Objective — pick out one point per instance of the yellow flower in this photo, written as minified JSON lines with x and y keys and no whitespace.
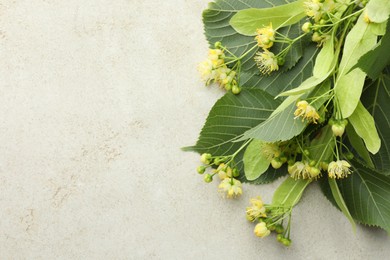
{"x":261,"y":230}
{"x":299,"y":170}
{"x":339,"y":169}
{"x":307,"y":112}
{"x":257,"y":209}
{"x":231,"y":187}
{"x":265,"y":37}
{"x":266,"y":61}
{"x":224,"y":171}
{"x":313,"y":8}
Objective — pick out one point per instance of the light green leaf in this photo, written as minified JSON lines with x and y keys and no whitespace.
{"x":340,"y":201}
{"x":325,"y":63}
{"x":289,"y":192}
{"x":349,"y":84}
{"x":364,"y":125}
{"x":358,"y":144}
{"x":280,"y":127}
{"x":374,"y":61}
{"x":367,"y":195}
{"x":229,"y":118}
{"x":255,"y":163}
{"x":324,"y":60}
{"x":247,"y":21}
{"x":378,"y":10}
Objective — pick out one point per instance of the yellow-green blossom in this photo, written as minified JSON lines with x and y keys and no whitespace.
{"x":230,"y":187}
{"x":307,"y":112}
{"x":339,"y":169}
{"x":257,"y":209}
{"x":224,"y":171}
{"x":265,"y":37}
{"x":266,"y":62}
{"x":261,"y":230}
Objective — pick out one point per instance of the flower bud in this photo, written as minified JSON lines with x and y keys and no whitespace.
{"x":286,"y":241}
{"x":217,"y":45}
{"x":276,"y":163}
{"x":208,"y":178}
{"x":201,"y":169}
{"x":236,"y":89}
{"x":279,"y":229}
{"x":236,"y":173}
{"x":205,"y":158}
{"x":261,"y":230}
{"x":306,"y":27}
{"x":316,"y":37}
{"x":338,"y":129}
{"x":279,"y":237}
{"x":314,"y":172}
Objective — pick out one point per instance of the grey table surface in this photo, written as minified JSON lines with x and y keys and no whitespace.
{"x":96,"y":98}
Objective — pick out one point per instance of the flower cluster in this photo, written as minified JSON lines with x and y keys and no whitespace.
{"x":230,"y":187}
{"x":269,"y":219}
{"x":215,"y":70}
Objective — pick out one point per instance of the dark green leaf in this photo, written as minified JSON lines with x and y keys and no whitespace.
{"x":376,"y":97}
{"x":367,"y":196}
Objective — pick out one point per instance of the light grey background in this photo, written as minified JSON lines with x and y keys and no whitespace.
{"x":96,"y":98}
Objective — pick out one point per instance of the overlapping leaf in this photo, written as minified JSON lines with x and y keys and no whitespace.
{"x":376,"y":97}
{"x":216,"y":20}
{"x":230,"y":117}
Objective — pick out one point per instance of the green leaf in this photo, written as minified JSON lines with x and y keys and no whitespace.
{"x":340,"y":201}
{"x":374,"y":61}
{"x":378,"y":10}
{"x":367,"y":196}
{"x":358,"y":144}
{"x":229,"y":118}
{"x":289,"y":192}
{"x":321,"y":147}
{"x":255,"y":163}
{"x":364,"y":125}
{"x":247,"y":21}
{"x":349,"y":84}
{"x":279,"y":82}
{"x":280,"y":127}
{"x":283,"y":126}
{"x":325,"y":63}
{"x":376,"y":97}
{"x":216,"y":20}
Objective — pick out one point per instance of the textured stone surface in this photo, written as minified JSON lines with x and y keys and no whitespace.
{"x":96,"y":98}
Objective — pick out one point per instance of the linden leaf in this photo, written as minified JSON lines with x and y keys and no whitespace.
{"x":289,"y":192}
{"x":255,"y":163}
{"x":247,"y":21}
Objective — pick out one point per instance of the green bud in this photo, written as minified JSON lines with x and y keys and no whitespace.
{"x":316,"y":37}
{"x":331,"y":121}
{"x":218,"y":45}
{"x":208,"y":178}
{"x":314,"y":172}
{"x":236,"y":89}
{"x":324,"y":166}
{"x":276,"y":163}
{"x":218,"y":161}
{"x":271,"y":227}
{"x":205,"y":158}
{"x":281,"y":61}
{"x":201,"y":169}
{"x":349,"y":156}
{"x":286,"y":241}
{"x":322,"y":21}
{"x":279,"y":237}
{"x":279,"y":229}
{"x":236,"y":173}
{"x":338,"y":129}
{"x":228,"y":87}
{"x":283,"y":159}
{"x":306,"y":27}
{"x":306,"y":152}
{"x":291,"y":162}
{"x":313,"y":163}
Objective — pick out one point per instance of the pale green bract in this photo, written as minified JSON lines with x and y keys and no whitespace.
{"x":247,"y":21}
{"x":255,"y":162}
